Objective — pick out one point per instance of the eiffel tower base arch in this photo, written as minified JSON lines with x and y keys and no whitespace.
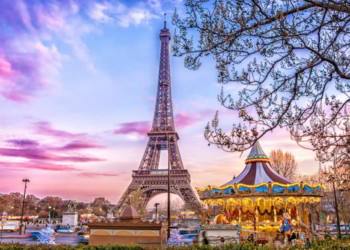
{"x":152,"y":183}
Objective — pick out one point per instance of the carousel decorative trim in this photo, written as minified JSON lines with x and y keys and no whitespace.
{"x":257,"y":160}
{"x":230,"y":187}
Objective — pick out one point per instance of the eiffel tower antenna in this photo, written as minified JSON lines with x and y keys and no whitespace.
{"x":151,"y":178}
{"x":164,"y":20}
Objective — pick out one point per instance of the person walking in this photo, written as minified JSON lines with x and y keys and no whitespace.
{"x":205,"y":239}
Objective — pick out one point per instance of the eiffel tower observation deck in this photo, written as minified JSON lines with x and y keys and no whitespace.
{"x":149,"y":178}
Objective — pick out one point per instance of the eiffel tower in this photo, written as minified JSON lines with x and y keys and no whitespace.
{"x":149,"y":178}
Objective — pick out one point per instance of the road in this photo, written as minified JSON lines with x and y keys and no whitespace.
{"x":69,"y":239}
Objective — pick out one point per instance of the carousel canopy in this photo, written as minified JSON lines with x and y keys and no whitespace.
{"x":258,"y":170}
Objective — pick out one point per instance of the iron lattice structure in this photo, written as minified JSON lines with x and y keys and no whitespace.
{"x":149,"y":178}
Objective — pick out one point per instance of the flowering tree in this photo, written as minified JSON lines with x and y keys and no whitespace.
{"x":289,"y":61}
{"x":330,"y":137}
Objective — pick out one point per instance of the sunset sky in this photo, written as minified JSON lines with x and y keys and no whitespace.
{"x":77,"y":91}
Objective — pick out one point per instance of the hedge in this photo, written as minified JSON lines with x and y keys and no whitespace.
{"x":323,"y":244}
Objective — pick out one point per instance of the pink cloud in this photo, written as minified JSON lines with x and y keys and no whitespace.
{"x":140,"y":128}
{"x":92,"y":174}
{"x":183,"y":120}
{"x":40,"y":154}
{"x":77,"y":145}
{"x":5,"y":68}
{"x":15,"y":97}
{"x":26,"y":66}
{"x":45,"y":128}
{"x":37,"y":165}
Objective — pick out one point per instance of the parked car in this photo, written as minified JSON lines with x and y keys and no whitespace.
{"x":189,"y":239}
{"x":64,"y":229}
{"x":84,"y":239}
{"x":345,"y":227}
{"x":82,"y":232}
{"x":34,"y":235}
{"x":183,"y":231}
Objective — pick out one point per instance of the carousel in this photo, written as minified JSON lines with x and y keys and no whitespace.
{"x":261,"y":201}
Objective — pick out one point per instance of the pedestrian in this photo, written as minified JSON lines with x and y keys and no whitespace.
{"x":289,"y":239}
{"x":205,"y":239}
{"x":293,"y":238}
{"x":222,"y":240}
{"x":307,"y":243}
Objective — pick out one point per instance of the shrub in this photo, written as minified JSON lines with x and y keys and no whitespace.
{"x":321,"y":244}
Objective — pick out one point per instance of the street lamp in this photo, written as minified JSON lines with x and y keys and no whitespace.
{"x":11,"y":211}
{"x":156,"y":206}
{"x":23,"y":204}
{"x":50,"y":209}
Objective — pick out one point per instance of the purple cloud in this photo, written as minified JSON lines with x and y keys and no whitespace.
{"x":29,"y":59}
{"x":25,"y":143}
{"x":40,"y":154}
{"x":45,"y":128}
{"x":32,"y":31}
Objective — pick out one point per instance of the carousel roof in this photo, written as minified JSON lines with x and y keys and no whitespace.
{"x":258,"y":170}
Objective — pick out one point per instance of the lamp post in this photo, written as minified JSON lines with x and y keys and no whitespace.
{"x":23,"y":204}
{"x":156,"y":206}
{"x":50,"y":209}
{"x":11,"y":211}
